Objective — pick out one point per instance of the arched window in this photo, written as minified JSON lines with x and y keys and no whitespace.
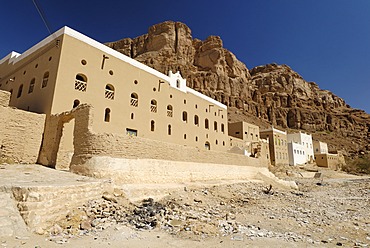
{"x":76,"y":103}
{"x":222,"y":128}
{"x":185,"y":116}
{"x":196,"y":120}
{"x":215,"y":126}
{"x":216,"y":142}
{"x":20,"y":89}
{"x":109,"y":91}
{"x":132,"y":116}
{"x":169,"y":111}
{"x":184,"y":136}
{"x":80,"y":82}
{"x":32,"y":85}
{"x":169,"y":130}
{"x":134,"y":100}
{"x":152,"y":126}
{"x":207,"y":146}
{"x":206,"y":123}
{"x":178,"y":83}
{"x":153,"y":106}
{"x":45,"y":79}
{"x":107,"y":115}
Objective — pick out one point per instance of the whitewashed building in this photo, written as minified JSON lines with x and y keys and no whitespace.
{"x":300,"y":148}
{"x":296,"y":153}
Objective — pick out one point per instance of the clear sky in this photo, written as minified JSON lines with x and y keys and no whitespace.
{"x":325,"y":41}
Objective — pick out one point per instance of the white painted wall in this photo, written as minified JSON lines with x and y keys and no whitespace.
{"x":297,"y":154}
{"x":305,"y":140}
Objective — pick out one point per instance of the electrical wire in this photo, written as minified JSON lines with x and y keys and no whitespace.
{"x":42,"y":15}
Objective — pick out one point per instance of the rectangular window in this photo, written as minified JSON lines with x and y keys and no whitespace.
{"x":131,"y":132}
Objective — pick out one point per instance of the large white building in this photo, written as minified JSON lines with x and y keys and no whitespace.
{"x":296,"y":153}
{"x":300,"y":148}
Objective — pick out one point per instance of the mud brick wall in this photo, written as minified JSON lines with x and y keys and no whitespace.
{"x":88,"y":143}
{"x":20,"y":133}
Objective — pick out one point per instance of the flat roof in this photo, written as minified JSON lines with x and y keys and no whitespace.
{"x":273,"y":130}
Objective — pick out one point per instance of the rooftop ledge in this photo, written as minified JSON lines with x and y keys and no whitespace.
{"x":15,"y":57}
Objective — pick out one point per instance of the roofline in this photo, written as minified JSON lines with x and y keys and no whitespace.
{"x":84,"y":38}
{"x":274,"y":130}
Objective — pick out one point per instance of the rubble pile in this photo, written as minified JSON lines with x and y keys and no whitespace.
{"x":333,"y":212}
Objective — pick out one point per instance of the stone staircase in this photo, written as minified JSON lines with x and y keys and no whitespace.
{"x":33,"y":198}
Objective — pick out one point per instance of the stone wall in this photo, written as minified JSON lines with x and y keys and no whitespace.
{"x":132,"y":159}
{"x":20,"y":133}
{"x":89,"y":143}
{"x":41,"y":206}
{"x":52,"y":150}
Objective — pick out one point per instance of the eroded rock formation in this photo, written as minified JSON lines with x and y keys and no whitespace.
{"x":269,"y":94}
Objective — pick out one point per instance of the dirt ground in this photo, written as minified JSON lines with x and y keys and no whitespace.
{"x":327,"y":211}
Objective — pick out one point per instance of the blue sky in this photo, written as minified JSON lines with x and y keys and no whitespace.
{"x":326,"y":41}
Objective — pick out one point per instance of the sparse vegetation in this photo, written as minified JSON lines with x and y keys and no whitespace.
{"x":6,"y":161}
{"x":359,"y":165}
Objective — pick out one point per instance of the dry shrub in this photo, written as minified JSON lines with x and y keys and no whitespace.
{"x":359,"y":165}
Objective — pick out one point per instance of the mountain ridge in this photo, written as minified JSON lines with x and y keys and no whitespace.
{"x":265,"y":95}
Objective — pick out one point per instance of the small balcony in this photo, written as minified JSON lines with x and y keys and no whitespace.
{"x":153,"y":108}
{"x":109,"y":94}
{"x":134,"y":102}
{"x":80,"y":85}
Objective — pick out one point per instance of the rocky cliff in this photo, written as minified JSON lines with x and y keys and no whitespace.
{"x":269,"y":94}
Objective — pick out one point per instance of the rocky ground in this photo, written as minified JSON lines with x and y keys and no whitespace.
{"x":331,"y":210}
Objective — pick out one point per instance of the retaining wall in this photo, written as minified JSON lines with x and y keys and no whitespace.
{"x":131,"y":159}
{"x":20,"y":133}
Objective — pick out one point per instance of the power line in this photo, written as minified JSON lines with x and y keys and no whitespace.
{"x":42,"y":15}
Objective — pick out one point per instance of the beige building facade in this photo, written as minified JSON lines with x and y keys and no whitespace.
{"x":319,"y":147}
{"x":244,"y":139}
{"x":69,"y":68}
{"x":327,"y":160}
{"x":244,"y":131}
{"x":128,"y":99}
{"x":278,"y":145}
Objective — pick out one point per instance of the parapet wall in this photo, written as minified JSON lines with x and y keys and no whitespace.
{"x":132,"y":159}
{"x":89,"y":143}
{"x":20,"y":133}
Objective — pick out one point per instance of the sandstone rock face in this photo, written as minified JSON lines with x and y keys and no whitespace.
{"x":269,"y":94}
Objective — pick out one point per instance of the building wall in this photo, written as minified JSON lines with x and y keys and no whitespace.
{"x":278,"y":145}
{"x":127,"y":76}
{"x":91,"y":146}
{"x":87,"y":141}
{"x":327,"y":160}
{"x":297,"y":153}
{"x":68,"y":53}
{"x":20,"y":70}
{"x":306,"y":141}
{"x":20,"y":133}
{"x":244,"y":131}
{"x":320,"y":147}
{"x":244,"y":138}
